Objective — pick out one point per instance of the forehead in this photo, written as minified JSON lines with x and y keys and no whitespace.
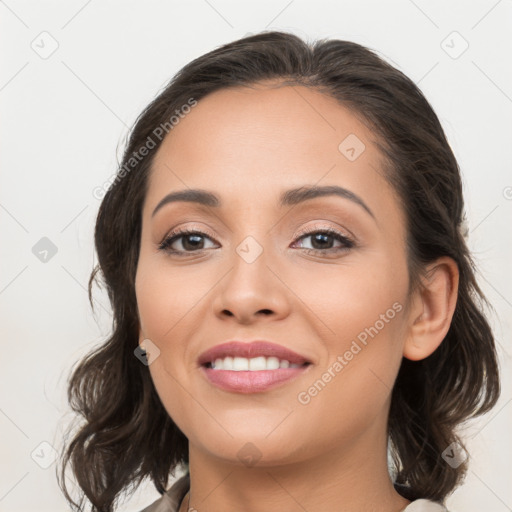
{"x":251,"y":143}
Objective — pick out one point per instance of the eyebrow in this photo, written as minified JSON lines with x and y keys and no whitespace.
{"x":290,"y":197}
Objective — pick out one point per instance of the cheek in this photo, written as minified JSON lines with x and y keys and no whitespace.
{"x":356,"y":301}
{"x":166,"y":296}
{"x":364,"y":310}
{"x":352,"y":390}
{"x":172,"y":301}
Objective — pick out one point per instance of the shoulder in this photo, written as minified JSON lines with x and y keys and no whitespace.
{"x":171,"y":499}
{"x":424,"y":506}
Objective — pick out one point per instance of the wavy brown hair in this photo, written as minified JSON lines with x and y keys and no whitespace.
{"x":126,"y":435}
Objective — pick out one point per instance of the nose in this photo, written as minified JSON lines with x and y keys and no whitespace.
{"x":250,"y":291}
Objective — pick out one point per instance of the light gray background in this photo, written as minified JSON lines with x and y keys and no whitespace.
{"x":63,"y":121}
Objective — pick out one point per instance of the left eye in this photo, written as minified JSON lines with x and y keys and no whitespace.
{"x":321,"y":239}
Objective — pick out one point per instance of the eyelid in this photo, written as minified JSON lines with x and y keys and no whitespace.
{"x":176,"y":232}
{"x":179,"y":230}
{"x":323,"y":227}
{"x":303,"y":231}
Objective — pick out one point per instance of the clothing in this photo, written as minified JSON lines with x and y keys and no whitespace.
{"x":171,"y":500}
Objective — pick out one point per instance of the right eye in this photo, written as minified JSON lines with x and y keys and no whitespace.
{"x":190,"y":241}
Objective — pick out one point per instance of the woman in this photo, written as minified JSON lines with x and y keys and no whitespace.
{"x":284,"y":241}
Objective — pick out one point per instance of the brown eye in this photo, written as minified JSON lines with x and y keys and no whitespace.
{"x":191,"y":241}
{"x":323,"y":240}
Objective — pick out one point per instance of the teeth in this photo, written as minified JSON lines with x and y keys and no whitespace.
{"x":255,"y":364}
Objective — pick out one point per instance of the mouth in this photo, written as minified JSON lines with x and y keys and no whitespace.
{"x":255,"y":381}
{"x":255,"y":364}
{"x":251,"y":367}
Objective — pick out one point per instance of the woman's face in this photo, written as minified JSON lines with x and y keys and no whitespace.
{"x":263,"y":268}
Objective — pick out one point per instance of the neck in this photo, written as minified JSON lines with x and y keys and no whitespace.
{"x":348,"y":479}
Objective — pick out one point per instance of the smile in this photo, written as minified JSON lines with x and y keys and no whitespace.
{"x":241,"y":375}
{"x":260,"y":363}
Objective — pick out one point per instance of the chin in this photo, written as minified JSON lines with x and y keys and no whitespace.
{"x":255,"y":450}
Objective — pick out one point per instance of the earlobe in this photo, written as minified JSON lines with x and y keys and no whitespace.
{"x":435,"y":304}
{"x":142,"y":339}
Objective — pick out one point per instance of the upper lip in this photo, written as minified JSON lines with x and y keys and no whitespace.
{"x":249,"y":350}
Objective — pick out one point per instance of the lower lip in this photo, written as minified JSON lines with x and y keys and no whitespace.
{"x":251,"y":381}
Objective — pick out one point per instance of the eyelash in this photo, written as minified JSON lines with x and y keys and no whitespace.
{"x":347,"y":242}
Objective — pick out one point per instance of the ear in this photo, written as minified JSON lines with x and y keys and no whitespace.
{"x":433,"y":308}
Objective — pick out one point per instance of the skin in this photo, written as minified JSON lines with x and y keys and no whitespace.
{"x":247,"y":145}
